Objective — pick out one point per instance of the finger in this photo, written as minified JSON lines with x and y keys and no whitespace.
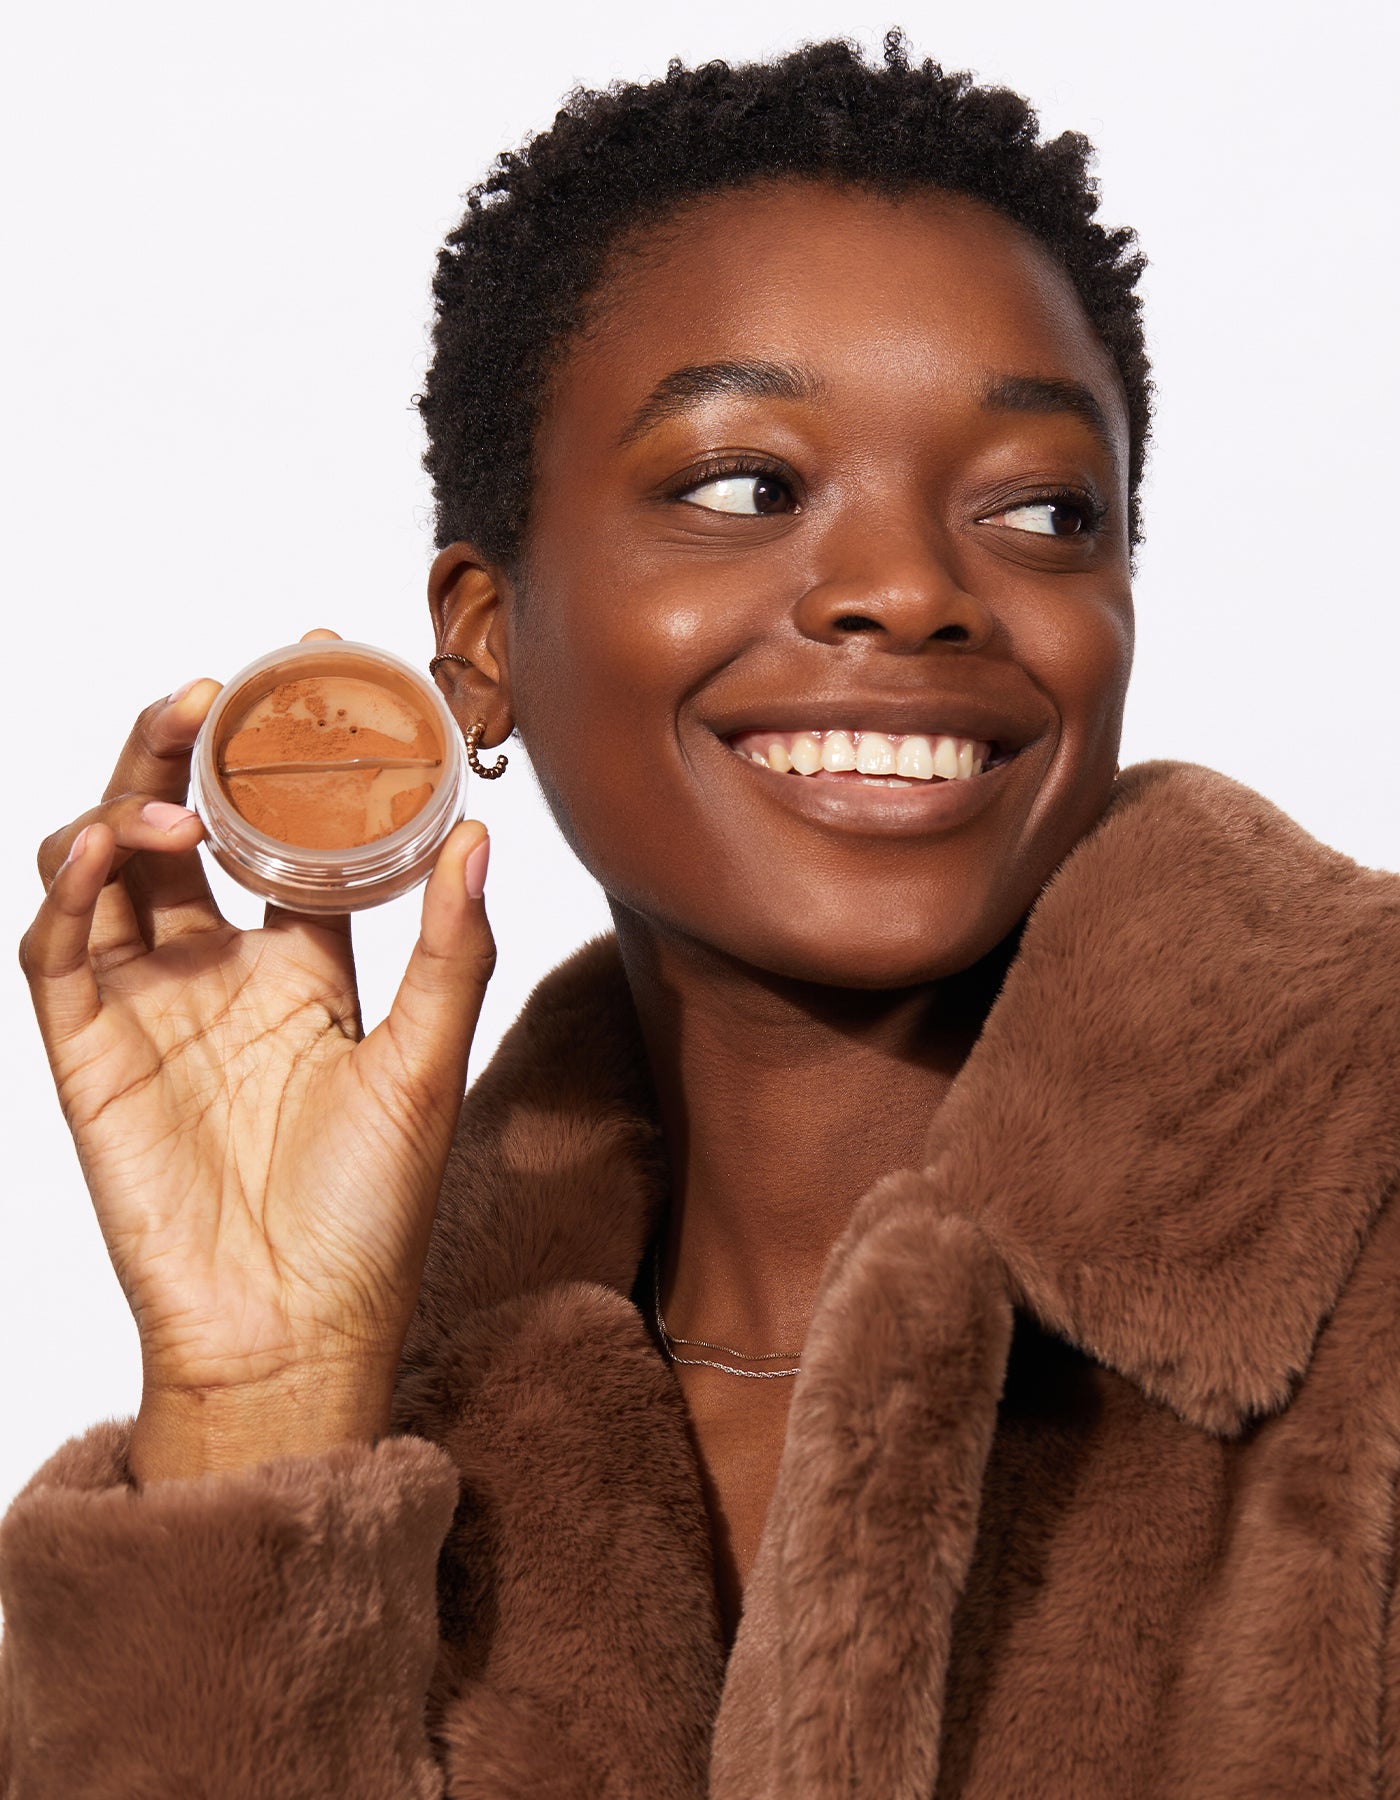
{"x":155,"y":759}
{"x":423,"y":1044}
{"x":286,"y":918}
{"x":138,"y":822}
{"x":165,"y":877}
{"x":320,"y":634}
{"x":54,"y":951}
{"x":158,"y":749}
{"x":162,"y":891}
{"x":116,"y":931}
{"x":323,"y":942}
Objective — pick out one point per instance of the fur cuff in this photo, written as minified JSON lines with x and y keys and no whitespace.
{"x":269,"y":1631}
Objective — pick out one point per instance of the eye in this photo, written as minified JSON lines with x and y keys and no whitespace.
{"x":1061,"y":515}
{"x":738,"y":490}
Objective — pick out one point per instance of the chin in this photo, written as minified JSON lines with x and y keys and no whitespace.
{"x":862,"y":953}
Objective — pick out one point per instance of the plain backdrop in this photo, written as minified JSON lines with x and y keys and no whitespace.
{"x":219,"y":230}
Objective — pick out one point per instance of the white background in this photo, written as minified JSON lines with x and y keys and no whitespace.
{"x":219,"y":230}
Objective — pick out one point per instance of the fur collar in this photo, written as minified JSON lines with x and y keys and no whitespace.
{"x":1176,"y":1128}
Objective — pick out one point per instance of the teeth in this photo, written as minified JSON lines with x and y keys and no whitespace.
{"x":806,"y":754}
{"x":916,"y":759}
{"x":838,"y":752}
{"x":875,"y":755}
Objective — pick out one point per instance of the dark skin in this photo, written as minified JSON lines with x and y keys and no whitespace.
{"x":811,"y":961}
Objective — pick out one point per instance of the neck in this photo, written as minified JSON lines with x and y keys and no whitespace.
{"x":781,"y":1104}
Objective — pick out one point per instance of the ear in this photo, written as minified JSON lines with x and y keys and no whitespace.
{"x":465,"y":595}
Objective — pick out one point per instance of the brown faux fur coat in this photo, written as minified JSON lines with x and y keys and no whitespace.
{"x":1090,"y":1480}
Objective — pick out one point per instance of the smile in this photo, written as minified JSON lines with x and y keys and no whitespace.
{"x":886,"y":759}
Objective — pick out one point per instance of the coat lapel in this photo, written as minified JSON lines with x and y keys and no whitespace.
{"x":835,"y":1683}
{"x":582,"y":1654}
{"x":1168,"y":1146}
{"x":1182,"y":1116}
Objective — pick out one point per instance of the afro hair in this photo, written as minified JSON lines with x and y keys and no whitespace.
{"x":515,"y":279}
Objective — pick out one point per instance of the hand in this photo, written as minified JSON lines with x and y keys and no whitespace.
{"x":264,"y":1175}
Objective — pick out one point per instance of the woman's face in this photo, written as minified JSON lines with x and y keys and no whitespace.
{"x":828,"y":462}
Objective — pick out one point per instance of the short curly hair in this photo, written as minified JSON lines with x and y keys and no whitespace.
{"x":515,"y":279}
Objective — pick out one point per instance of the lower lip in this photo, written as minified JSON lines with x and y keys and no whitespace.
{"x":849,"y":803}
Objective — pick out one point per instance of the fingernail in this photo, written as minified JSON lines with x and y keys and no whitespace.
{"x":75,"y":849}
{"x":180,"y":692}
{"x":476,"y":869}
{"x":164,"y":815}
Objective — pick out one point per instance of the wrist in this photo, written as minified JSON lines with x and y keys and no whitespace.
{"x":183,"y":1432}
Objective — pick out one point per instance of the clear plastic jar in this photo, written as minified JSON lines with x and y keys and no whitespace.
{"x":328,"y":775}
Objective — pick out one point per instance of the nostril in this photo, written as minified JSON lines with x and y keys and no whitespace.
{"x":952,"y":634}
{"x":855,"y":622}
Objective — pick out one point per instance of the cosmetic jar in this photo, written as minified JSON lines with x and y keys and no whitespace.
{"x":327,"y":776}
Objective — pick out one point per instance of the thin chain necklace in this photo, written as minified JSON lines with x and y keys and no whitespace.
{"x":669,"y":1343}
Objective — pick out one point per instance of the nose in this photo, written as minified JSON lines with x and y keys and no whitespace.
{"x":899,"y":585}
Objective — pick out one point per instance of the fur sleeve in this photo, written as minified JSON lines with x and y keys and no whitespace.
{"x":1390,"y":1674}
{"x":270,"y":1631}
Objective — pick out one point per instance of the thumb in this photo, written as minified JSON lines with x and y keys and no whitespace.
{"x":423,"y":1044}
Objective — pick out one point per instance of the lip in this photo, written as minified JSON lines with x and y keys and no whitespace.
{"x":869,"y":809}
{"x":925,"y":714}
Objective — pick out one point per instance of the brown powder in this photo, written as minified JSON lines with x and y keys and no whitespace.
{"x":402,"y":806}
{"x":331,"y":761}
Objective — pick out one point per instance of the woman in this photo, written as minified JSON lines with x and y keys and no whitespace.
{"x":910,"y":1316}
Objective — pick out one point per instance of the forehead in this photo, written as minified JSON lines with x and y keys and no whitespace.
{"x":882,"y":293}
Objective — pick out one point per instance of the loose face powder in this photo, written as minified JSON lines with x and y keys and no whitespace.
{"x":331,"y":761}
{"x":329,"y":772}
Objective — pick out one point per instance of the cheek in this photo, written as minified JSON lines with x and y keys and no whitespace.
{"x":1080,"y":654}
{"x":1106,"y":668}
{"x":602,"y":664}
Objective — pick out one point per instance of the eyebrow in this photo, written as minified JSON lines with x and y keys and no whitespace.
{"x":1050,"y":394}
{"x":687,"y":388}
{"x":684,"y":389}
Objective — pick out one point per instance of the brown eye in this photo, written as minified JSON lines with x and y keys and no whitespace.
{"x":742,"y":494}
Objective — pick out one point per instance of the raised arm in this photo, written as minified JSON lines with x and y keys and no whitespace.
{"x":247,"y":1570}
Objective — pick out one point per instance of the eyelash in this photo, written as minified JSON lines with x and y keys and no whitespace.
{"x":724,"y":468}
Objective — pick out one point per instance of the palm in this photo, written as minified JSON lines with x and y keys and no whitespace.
{"x":260,"y":1177}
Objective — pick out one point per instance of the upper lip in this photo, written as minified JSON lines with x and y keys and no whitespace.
{"x":925,"y":713}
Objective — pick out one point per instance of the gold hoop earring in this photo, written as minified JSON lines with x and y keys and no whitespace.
{"x":474,"y":762}
{"x":473,"y":737}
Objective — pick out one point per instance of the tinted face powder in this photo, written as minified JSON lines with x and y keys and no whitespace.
{"x":330,"y":761}
{"x":327,"y":776}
